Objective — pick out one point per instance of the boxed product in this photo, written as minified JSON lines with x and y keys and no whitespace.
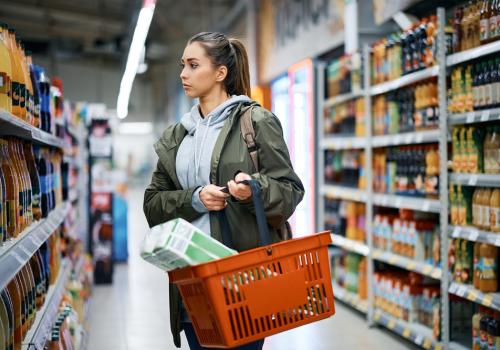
{"x":177,"y":243}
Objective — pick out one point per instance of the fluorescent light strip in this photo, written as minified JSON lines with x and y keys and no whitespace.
{"x":137,"y":128}
{"x":133,"y":60}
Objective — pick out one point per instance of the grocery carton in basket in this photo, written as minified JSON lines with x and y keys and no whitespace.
{"x":177,"y":244}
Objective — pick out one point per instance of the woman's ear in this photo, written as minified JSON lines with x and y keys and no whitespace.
{"x":221,"y":74}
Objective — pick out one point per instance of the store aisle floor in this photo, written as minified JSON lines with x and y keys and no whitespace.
{"x":132,"y":314}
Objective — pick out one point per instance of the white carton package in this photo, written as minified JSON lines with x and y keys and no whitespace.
{"x":177,"y":244}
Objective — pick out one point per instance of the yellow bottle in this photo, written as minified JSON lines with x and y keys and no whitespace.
{"x":17,"y":78}
{"x":486,"y":209}
{"x":5,"y":73}
{"x":495,"y":210}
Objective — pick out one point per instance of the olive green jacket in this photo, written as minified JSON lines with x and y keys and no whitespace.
{"x":282,"y":190}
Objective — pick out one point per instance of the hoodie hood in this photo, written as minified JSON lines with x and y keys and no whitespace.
{"x":192,"y":120}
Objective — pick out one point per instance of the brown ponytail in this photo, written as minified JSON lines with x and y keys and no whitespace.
{"x":230,"y":53}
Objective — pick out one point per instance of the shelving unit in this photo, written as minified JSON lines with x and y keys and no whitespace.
{"x":13,"y":126}
{"x":350,"y":245}
{"x":474,"y":235}
{"x":16,"y":253}
{"x":407,"y":263}
{"x":481,"y":180}
{"x":439,"y":205}
{"x":45,"y":318}
{"x":334,"y":101}
{"x":420,"y":335}
{"x":350,"y":299}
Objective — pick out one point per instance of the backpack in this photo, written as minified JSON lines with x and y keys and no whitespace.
{"x":248,"y":133}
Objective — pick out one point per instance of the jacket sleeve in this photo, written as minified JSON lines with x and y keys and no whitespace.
{"x":282,"y":189}
{"x":162,"y":202}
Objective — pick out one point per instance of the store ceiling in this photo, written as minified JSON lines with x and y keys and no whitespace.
{"x":103,"y":28}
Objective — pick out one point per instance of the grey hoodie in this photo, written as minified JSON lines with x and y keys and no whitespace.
{"x":193,"y":159}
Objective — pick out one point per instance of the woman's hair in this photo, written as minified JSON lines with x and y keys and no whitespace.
{"x":229,"y":52}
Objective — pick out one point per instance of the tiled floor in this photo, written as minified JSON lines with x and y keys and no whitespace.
{"x":132,"y":314}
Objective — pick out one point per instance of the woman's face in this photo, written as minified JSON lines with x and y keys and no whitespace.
{"x":198,"y":75}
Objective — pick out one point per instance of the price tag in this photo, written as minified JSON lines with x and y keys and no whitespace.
{"x":426,"y":206}
{"x":473,"y":180}
{"x":472,"y":295}
{"x":419,"y":339}
{"x":436,"y":273}
{"x":456,"y":232}
{"x":453,"y":288}
{"x":427,"y":269}
{"x":470,"y":117}
{"x":406,"y":333}
{"x":427,"y":344}
{"x":411,"y":266}
{"x":18,"y":258}
{"x":349,"y":144}
{"x":376,"y":317}
{"x":485,"y":115}
{"x":438,"y":347}
{"x":487,"y":300}
{"x":473,"y":235}
{"x":399,"y":201}
{"x":391,"y":324}
{"x":393,"y":260}
{"x":461,"y":291}
{"x":376,"y":254}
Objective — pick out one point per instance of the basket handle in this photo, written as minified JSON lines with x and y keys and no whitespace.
{"x":259,"y":215}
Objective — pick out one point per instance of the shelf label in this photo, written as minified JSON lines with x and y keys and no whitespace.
{"x":419,"y":339}
{"x":485,"y":115}
{"x":376,"y":317}
{"x":427,"y":344}
{"x":406,"y":333}
{"x":462,"y":290}
{"x":487,"y":300}
{"x":473,"y":234}
{"x":18,"y":258}
{"x":426,"y":206}
{"x":411,"y":266}
{"x":456,"y":232}
{"x":470,"y":117}
{"x":427,"y":269}
{"x":25,"y":251}
{"x":376,"y":254}
{"x":391,"y":324}
{"x":393,"y":260}
{"x":453,"y":288}
{"x":399,"y":202}
{"x":472,"y":295}
{"x":436,"y":274}
{"x":473,"y":180}
{"x":438,"y":347}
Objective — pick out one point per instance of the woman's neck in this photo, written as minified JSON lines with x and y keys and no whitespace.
{"x":209,"y":102}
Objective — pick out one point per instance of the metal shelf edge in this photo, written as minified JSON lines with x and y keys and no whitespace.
{"x":410,"y":138}
{"x":350,"y":245}
{"x":487,"y":180}
{"x":413,"y":203}
{"x":483,"y":116}
{"x":408,"y":264}
{"x":349,"y":298}
{"x":339,"y":99}
{"x":344,"y":192}
{"x":472,"y":54}
{"x":404,"y":80}
{"x":473,"y":234}
{"x":491,"y":300}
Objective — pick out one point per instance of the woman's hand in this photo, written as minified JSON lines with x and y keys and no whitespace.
{"x":213,"y":198}
{"x":241,"y":192}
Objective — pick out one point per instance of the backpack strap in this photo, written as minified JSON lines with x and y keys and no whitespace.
{"x":248,"y":133}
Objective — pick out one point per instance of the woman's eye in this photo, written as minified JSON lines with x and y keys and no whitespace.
{"x":182,"y":65}
{"x":194,"y":66}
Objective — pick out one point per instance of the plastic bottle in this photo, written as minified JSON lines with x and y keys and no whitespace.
{"x":475,"y":207}
{"x":12,"y":187}
{"x":488,"y":280}
{"x":5,"y":72}
{"x":485,"y":200}
{"x":477,"y":267}
{"x":495,"y":210}
{"x":495,"y":150}
{"x":494,"y":334}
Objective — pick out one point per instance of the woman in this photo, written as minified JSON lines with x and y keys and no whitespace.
{"x":205,"y":152}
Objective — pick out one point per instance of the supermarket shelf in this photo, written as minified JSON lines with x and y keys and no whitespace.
{"x":13,"y":126}
{"x":491,"y":300}
{"x":343,"y":142}
{"x":407,"y":264}
{"x":418,"y":334}
{"x":409,"y":138}
{"x":46,"y":317}
{"x":404,"y":80}
{"x":472,"y":54}
{"x":473,"y":234}
{"x":344,"y":192}
{"x":350,"y":245}
{"x":487,"y":115}
{"x":16,"y":253}
{"x":405,"y":202}
{"x":457,"y":346}
{"x":336,"y":100}
{"x":350,"y":299}
{"x":487,"y":180}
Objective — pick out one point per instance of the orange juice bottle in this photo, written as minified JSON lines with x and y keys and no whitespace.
{"x":485,"y":200}
{"x":5,"y":72}
{"x":475,"y":207}
{"x":495,"y":210}
{"x":22,"y":161}
{"x":21,"y":185}
{"x":488,"y":280}
{"x":24,"y":99}
{"x":12,"y":200}
{"x":15,"y":294}
{"x":29,"y":87}
{"x":453,"y":206}
{"x":463,"y":150}
{"x":18,"y":86}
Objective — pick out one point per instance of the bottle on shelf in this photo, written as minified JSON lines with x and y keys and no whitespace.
{"x":495,"y":210}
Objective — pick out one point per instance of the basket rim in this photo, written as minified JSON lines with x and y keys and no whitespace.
{"x":220,"y":266}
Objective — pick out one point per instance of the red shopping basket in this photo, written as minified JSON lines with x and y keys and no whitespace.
{"x":260,"y":292}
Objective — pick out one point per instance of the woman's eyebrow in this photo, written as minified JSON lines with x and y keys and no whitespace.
{"x":189,"y":59}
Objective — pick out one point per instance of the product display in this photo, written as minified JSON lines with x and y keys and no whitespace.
{"x":346,"y":118}
{"x":345,"y":168}
{"x":344,"y":75}
{"x":409,"y":170}
{"x":349,"y":272}
{"x":346,"y":219}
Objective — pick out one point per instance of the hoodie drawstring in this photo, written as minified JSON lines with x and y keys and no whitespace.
{"x":197,"y":158}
